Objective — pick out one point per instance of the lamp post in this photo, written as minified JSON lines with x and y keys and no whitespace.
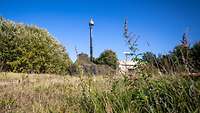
{"x":91,"y":25}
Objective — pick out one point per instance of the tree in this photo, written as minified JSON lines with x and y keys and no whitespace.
{"x":30,"y":49}
{"x":108,"y":57}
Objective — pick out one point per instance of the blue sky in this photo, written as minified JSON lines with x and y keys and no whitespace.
{"x":161,"y":23}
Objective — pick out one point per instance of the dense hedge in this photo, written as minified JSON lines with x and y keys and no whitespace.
{"x":30,"y":49}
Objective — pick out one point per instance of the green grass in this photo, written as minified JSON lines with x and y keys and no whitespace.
{"x":65,"y":94}
{"x":164,"y":95}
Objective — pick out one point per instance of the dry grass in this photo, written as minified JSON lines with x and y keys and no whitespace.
{"x":43,"y":92}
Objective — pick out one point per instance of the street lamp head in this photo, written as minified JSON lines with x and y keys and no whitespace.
{"x":91,"y":23}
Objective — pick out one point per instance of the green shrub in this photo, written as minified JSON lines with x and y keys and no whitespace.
{"x":108,"y":57}
{"x":30,"y":49}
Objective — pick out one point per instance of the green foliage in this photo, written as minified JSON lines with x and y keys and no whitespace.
{"x":30,"y":49}
{"x":167,"y":64}
{"x":181,"y":59}
{"x":195,"y":53}
{"x":182,"y":53}
{"x":149,"y":57}
{"x":163,"y":95}
{"x":60,"y":94}
{"x":108,"y":57}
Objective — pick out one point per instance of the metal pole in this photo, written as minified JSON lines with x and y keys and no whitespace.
{"x":91,"y":48}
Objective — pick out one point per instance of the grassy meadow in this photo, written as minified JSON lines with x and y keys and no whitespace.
{"x":44,"y":93}
{"x":154,"y":84}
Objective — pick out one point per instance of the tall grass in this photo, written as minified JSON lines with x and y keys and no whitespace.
{"x":169,"y":94}
{"x":101,"y":94}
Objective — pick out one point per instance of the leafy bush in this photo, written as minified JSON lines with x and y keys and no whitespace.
{"x":30,"y":49}
{"x":108,"y":57}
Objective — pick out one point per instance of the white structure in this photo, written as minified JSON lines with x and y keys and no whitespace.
{"x":125,"y":66}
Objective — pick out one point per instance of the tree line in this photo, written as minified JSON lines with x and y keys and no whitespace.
{"x":183,"y":58}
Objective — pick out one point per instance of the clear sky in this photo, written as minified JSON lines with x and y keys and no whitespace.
{"x":160,"y":23}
